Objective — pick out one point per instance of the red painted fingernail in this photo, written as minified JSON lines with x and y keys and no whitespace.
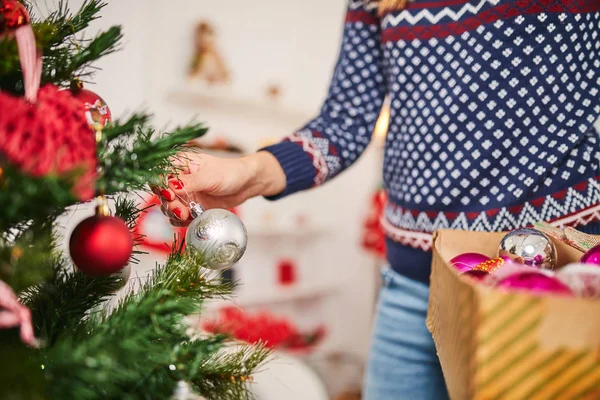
{"x":177,"y":184}
{"x":177,"y":212}
{"x":166,"y":195}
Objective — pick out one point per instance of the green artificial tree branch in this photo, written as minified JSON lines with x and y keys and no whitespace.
{"x":141,"y":348}
{"x":227,"y":374}
{"x":127,"y":209}
{"x":102,"y":45}
{"x":70,"y":24}
{"x":65,"y":57}
{"x":25,"y":198}
{"x":27,"y":256}
{"x":61,"y":305}
{"x":133,"y":164}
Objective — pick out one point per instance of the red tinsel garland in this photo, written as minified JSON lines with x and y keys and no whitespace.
{"x":264,"y":327}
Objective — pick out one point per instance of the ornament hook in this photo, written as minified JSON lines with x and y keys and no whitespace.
{"x":196,"y":208}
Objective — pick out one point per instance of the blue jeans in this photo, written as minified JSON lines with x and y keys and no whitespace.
{"x":403,"y":363}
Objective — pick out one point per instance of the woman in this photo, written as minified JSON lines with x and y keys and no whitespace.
{"x":492,"y":110}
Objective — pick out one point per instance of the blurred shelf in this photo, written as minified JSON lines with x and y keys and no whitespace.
{"x":278,"y":295}
{"x":274,"y":232}
{"x":237,"y":107}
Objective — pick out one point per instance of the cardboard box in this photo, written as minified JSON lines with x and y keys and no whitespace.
{"x":495,"y":344}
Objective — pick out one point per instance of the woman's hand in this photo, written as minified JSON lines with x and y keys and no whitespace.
{"x":219,"y":183}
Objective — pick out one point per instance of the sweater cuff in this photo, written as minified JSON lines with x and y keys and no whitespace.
{"x":297,"y":166}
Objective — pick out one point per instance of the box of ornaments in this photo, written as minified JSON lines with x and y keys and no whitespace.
{"x":516,"y":315}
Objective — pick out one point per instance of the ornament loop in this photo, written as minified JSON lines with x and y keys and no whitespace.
{"x":102,"y":207}
{"x":196,"y":208}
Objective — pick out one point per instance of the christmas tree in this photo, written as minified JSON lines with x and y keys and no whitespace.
{"x":60,"y":146}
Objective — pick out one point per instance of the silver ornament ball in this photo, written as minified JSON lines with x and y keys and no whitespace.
{"x":219,"y":235}
{"x":530,"y":247}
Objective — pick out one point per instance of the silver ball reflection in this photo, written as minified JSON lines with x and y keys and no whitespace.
{"x":529,"y":247}
{"x":219,"y":235}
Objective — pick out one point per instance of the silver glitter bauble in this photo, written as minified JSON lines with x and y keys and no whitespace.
{"x":219,"y":235}
{"x":529,"y":246}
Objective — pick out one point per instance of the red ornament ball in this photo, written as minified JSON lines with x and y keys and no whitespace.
{"x":101,"y":245}
{"x":13,"y":15}
{"x":95,"y":109}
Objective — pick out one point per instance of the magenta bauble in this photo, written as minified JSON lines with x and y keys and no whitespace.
{"x":101,"y":245}
{"x":476,"y":274}
{"x":592,"y":256}
{"x":467,"y":261}
{"x":535,"y":282}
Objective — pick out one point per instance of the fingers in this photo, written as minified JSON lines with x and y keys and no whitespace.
{"x":175,"y":210}
{"x":186,"y":185}
{"x":179,"y":224}
{"x":167,"y":194}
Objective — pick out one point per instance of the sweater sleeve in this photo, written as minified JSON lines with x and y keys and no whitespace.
{"x":333,"y":140}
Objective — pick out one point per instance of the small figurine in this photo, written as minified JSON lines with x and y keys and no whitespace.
{"x":207,"y":63}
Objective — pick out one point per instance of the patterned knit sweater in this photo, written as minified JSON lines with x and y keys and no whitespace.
{"x":493,"y":104}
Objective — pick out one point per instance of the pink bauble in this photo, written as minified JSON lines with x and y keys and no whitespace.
{"x":510,"y":268}
{"x":534,"y":281}
{"x":583,"y":279}
{"x":466,"y":262}
{"x":592,"y":256}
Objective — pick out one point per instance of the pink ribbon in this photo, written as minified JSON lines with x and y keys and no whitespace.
{"x":31,"y":61}
{"x":14,"y":314}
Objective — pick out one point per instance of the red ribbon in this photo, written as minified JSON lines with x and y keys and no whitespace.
{"x":31,"y":61}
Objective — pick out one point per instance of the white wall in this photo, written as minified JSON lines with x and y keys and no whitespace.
{"x":264,"y":41}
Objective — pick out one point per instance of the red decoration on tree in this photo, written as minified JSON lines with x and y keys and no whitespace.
{"x":96,"y":110}
{"x":373,"y":235}
{"x":101,"y":245}
{"x":49,"y":137}
{"x":13,"y":15}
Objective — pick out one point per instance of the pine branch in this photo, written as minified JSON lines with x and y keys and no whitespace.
{"x":61,"y":305}
{"x":102,"y":45}
{"x":128,"y":211}
{"x":226,"y":375}
{"x":27,"y":257}
{"x":131,"y":165}
{"x":71,"y":24}
{"x":65,"y":57}
{"x":141,"y":348}
{"x":24,"y":197}
{"x":125,"y":129}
